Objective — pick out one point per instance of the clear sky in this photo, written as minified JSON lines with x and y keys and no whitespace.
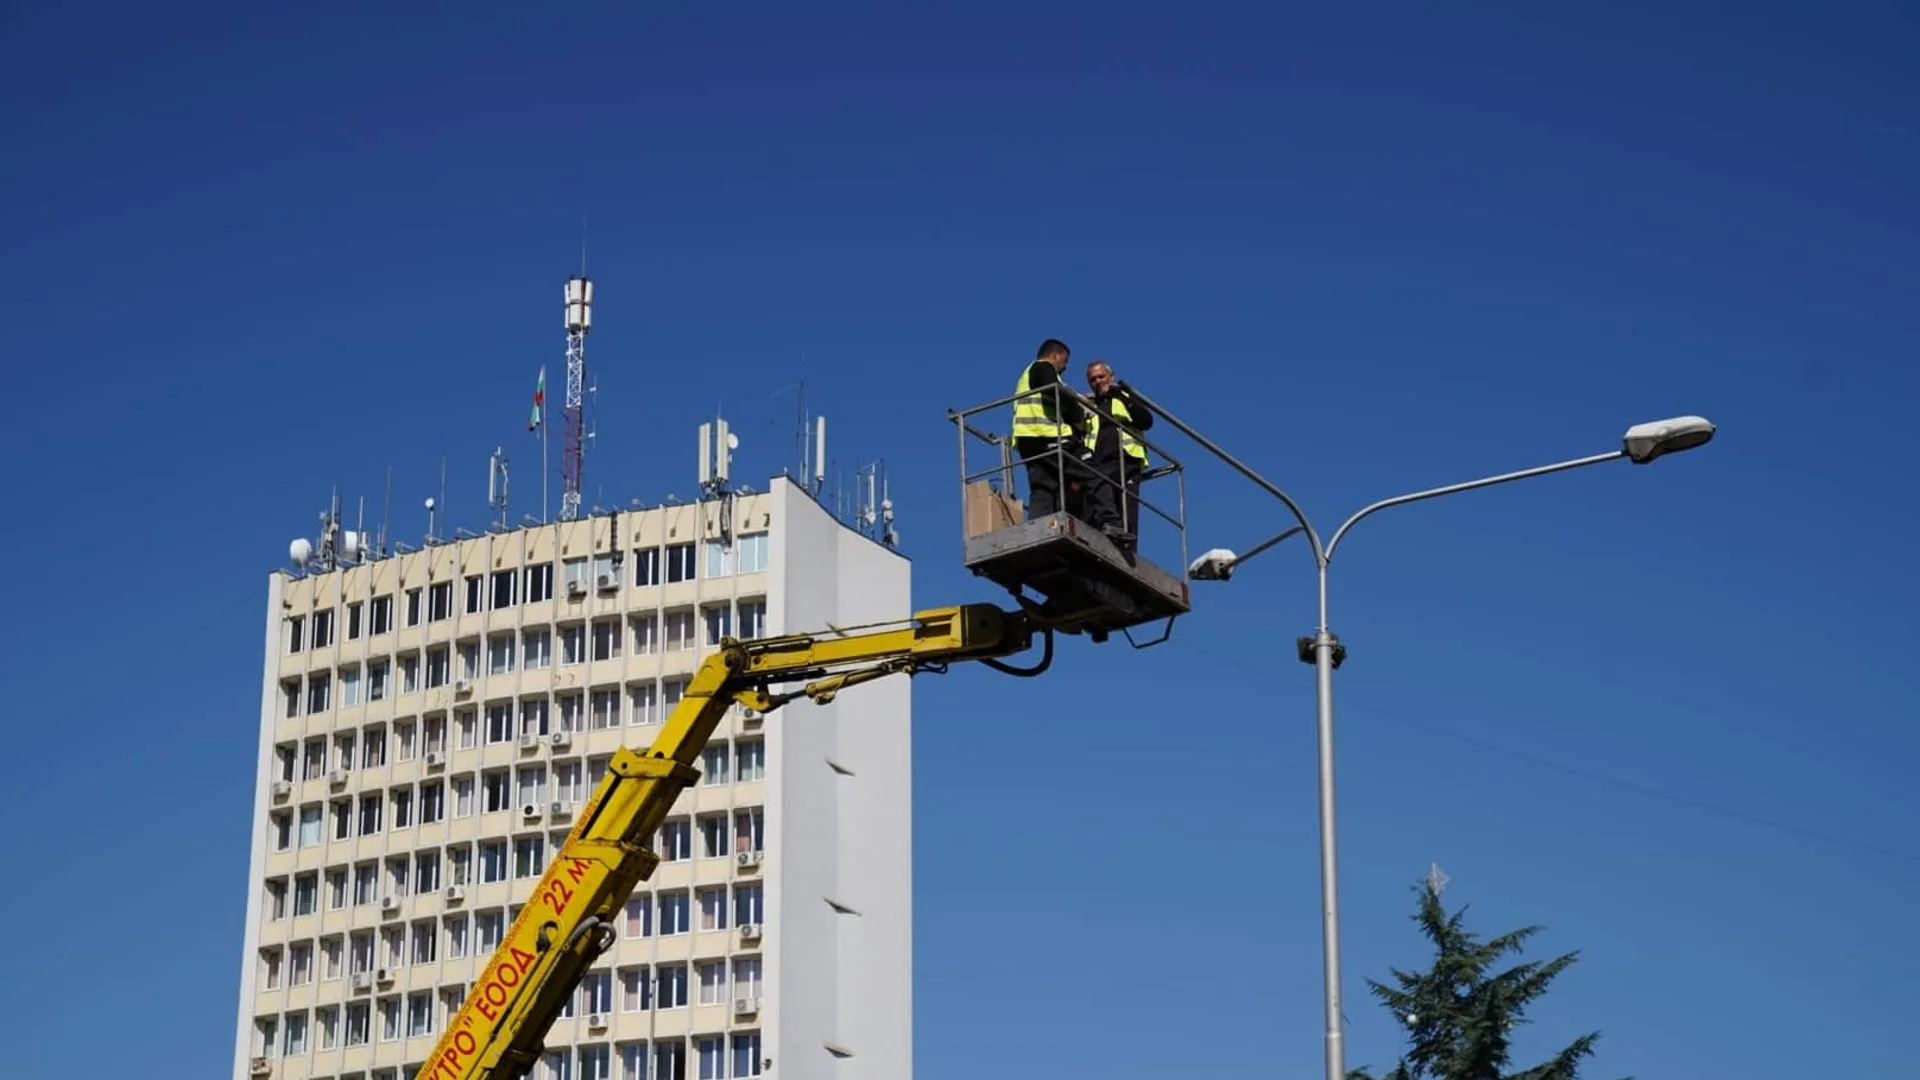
{"x":1666,"y":711}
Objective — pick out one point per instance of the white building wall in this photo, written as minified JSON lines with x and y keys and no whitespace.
{"x":842,"y":819}
{"x":834,"y":986}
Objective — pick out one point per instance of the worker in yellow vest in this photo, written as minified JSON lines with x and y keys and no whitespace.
{"x":1046,"y":429}
{"x":1115,"y":452}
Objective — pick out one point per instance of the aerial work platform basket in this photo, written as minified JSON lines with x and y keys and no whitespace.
{"x":1076,"y":577}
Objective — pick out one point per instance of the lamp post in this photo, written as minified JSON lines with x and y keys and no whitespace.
{"x":1641,"y":444}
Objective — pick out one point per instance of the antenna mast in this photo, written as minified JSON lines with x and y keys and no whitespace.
{"x":579,"y":321}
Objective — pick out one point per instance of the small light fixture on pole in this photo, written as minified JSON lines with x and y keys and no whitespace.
{"x":1641,"y":444}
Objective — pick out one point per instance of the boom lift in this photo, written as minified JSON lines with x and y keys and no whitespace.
{"x":498,"y":1031}
{"x":1084,"y":585}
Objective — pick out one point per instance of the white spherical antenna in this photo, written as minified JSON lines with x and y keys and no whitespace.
{"x":429,"y":502}
{"x":300,"y":551}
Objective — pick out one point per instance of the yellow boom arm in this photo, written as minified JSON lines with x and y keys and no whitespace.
{"x":569,"y":920}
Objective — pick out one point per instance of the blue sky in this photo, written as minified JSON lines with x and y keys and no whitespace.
{"x":1665,"y":711}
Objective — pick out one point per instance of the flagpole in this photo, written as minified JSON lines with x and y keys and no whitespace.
{"x":544,"y":518}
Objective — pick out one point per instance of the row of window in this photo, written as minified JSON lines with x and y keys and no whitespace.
{"x":720,"y":834}
{"x":650,"y":633}
{"x":530,"y":584}
{"x":715,"y":1056}
{"x":524,"y":788}
{"x":457,"y":936}
{"x":721,"y":762}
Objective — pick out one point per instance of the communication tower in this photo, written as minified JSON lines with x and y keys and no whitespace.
{"x":579,"y":321}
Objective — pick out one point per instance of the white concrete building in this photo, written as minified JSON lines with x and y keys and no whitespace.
{"x":428,"y":719}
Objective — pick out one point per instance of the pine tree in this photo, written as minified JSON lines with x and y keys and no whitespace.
{"x":1459,"y":1014}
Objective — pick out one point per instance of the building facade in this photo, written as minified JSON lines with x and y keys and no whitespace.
{"x":430,"y":720}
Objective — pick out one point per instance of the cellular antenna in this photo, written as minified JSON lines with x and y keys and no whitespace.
{"x":579,"y":321}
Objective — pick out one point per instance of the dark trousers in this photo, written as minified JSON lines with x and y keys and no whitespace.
{"x":1086,"y":496}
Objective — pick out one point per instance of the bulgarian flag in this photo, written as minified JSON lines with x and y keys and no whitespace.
{"x":539,"y":399}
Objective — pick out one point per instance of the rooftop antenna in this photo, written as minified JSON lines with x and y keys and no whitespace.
{"x":430,"y":514}
{"x":443,"y":480}
{"x":497,"y":483}
{"x":888,"y":536}
{"x":819,"y":454}
{"x":386,"y":515}
{"x":579,"y":320}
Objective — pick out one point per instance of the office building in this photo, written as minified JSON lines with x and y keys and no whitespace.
{"x":430,"y":719}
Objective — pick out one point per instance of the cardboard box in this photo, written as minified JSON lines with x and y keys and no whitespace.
{"x":988,"y":510}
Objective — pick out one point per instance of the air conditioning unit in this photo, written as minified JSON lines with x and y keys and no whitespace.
{"x":455,"y":894}
{"x":748,"y":860}
{"x":749,"y":931}
{"x":282,"y":788}
{"x":596,"y":1020}
{"x":435,"y":759}
{"x":607,"y":582}
{"x":560,"y":808}
{"x":576,"y":587}
{"x":362,"y":981}
{"x":561,"y":739}
{"x":746,"y":1006}
{"x":259,"y":1067}
{"x":531,"y":811}
{"x":389,"y":903}
{"x":383,"y":975}
{"x":337,"y":778}
{"x":463,"y":686}
{"x":529,"y":741}
{"x":750,"y":716}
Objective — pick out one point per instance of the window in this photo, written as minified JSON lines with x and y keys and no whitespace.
{"x":319,"y":686}
{"x":719,"y":559}
{"x":539,"y":582}
{"x":349,"y":686}
{"x":501,"y":586}
{"x":746,"y":1054}
{"x":270,"y":969}
{"x":413,"y":607}
{"x":713,"y":982}
{"x":381,"y":610}
{"x":680,"y":564}
{"x":456,"y":937}
{"x":670,"y":990}
{"x":534,"y":716}
{"x":282,"y":828}
{"x":277,"y":898}
{"x":568,"y":787}
{"x":463,"y":796}
{"x":673,"y":912}
{"x":749,"y":904}
{"x":573,"y":644}
{"x":374,"y":747}
{"x":676,"y":840}
{"x":500,"y":654}
{"x":713,"y":765}
{"x":435,"y":737}
{"x":353,"y":620}
{"x":469,"y":660}
{"x":366,"y":883}
{"x":332,"y":955}
{"x":750,"y":759}
{"x":753,"y":619}
{"x":283,"y":760}
{"x":713,"y":836}
{"x":748,"y":829}
{"x":537,"y":649}
{"x":426,"y":941}
{"x":370,"y":806}
{"x":487,"y":929}
{"x":746,"y":976}
{"x":467,"y":722}
{"x":529,"y":856}
{"x":377,"y":672}
{"x":498,"y":790}
{"x":311,"y":819}
{"x":574,"y":571}
{"x":493,"y":863}
{"x":679,"y":626}
{"x":459,"y":866}
{"x":306,"y":893}
{"x":606,"y":639}
{"x":409,"y":673}
{"x":719,"y":622}
{"x":533,"y":784}
{"x":433,"y":802}
{"x":713,"y":909}
{"x":322,"y":629}
{"x":336,"y":888}
{"x":296,"y":1043}
{"x":646,"y":566}
{"x":293,"y":632}
{"x":327,"y":1019}
{"x":439,"y":666}
{"x":750,"y":553}
{"x":342,"y":819}
{"x":476,"y":592}
{"x":290,"y":697}
{"x":643,"y":701}
{"x":605,"y":712}
{"x":404,"y":747}
{"x":645,"y":633}
{"x":359,"y":1026}
{"x":639,"y":921}
{"x":439,"y":601}
{"x":499,"y":721}
{"x":596,"y":992}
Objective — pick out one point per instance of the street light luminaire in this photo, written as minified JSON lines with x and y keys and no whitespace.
{"x":1644,"y":442}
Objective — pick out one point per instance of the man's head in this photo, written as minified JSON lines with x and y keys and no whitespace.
{"x":1099,"y":377}
{"x":1053,"y":351}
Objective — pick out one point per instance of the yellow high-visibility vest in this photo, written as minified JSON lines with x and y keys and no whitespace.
{"x":1129,"y":445}
{"x":1036,"y":416}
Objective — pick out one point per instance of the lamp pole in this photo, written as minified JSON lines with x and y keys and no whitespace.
{"x":1641,"y":444}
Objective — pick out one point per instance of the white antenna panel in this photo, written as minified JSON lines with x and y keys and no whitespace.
{"x":300,"y":551}
{"x":820,"y":449}
{"x":723,"y":453}
{"x":353,"y":545}
{"x":579,"y":305}
{"x":706,"y":453}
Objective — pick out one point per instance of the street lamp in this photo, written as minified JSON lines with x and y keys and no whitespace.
{"x":1641,"y":444}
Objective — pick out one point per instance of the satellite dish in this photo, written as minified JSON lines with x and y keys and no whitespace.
{"x":429,"y":502}
{"x":733,"y":441}
{"x":300,"y":551}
